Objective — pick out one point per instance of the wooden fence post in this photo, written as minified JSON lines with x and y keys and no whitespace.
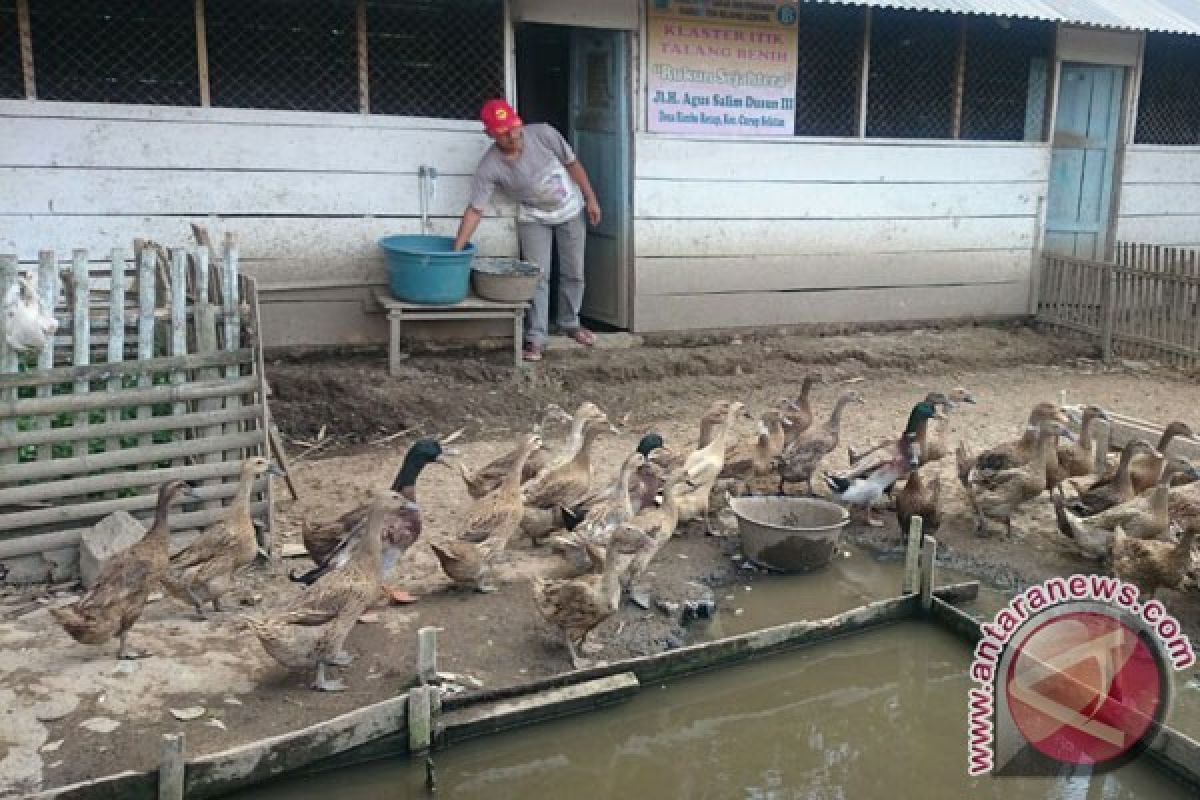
{"x":116,"y":335}
{"x":48,"y":296}
{"x":912,"y":555}
{"x":178,"y":325}
{"x":81,"y":337}
{"x":1110,"y":315}
{"x":8,"y":357}
{"x":146,"y":277}
{"x":427,"y":654}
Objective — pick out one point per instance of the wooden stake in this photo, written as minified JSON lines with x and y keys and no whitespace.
{"x":928,"y":551}
{"x":420,"y":718}
{"x":912,"y":556}
{"x":171,"y":768}
{"x":48,"y":295}
{"x":427,"y":654}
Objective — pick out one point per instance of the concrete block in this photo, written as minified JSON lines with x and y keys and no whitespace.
{"x":103,"y":540}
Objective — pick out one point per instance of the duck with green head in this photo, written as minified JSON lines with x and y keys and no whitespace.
{"x":400,"y":529}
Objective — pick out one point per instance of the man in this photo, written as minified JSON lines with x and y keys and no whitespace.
{"x":536,"y":167}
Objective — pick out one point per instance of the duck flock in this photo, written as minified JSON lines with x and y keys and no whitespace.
{"x":1138,"y":516}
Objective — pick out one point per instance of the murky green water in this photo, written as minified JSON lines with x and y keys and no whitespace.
{"x":878,"y":715}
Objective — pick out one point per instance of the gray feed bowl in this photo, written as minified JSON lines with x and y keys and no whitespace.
{"x":789,"y":534}
{"x":504,"y":280}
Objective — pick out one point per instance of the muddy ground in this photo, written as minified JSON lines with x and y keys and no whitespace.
{"x":59,"y":699}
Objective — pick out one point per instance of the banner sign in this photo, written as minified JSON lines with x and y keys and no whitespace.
{"x":721,"y":67}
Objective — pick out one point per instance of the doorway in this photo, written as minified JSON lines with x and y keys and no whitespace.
{"x":577,"y":79}
{"x":1083,"y":160}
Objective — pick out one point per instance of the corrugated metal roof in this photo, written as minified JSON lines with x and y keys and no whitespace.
{"x":1168,"y":16}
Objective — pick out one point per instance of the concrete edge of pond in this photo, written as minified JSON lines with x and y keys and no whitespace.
{"x":381,"y":730}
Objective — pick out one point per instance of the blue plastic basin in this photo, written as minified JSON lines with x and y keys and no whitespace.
{"x":425,"y":269}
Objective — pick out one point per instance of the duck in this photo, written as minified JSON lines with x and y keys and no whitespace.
{"x":399,"y":533}
{"x":798,"y":412}
{"x":489,"y":477}
{"x":1010,"y":455}
{"x":577,"y":605}
{"x":1091,"y":542}
{"x":648,"y":480}
{"x":1145,"y":517}
{"x":901,"y":447}
{"x":612,"y":506}
{"x":1079,"y":458}
{"x":204,"y":571}
{"x":710,"y":423}
{"x":920,"y":498}
{"x":659,"y":524}
{"x":702,"y":468}
{"x":934,"y":447}
{"x":996,"y":495}
{"x":1147,"y":468}
{"x":312,"y":630}
{"x":758,"y":458}
{"x":28,"y":326}
{"x":1153,"y":565}
{"x":866,"y":491}
{"x":800,"y":457}
{"x":566,"y":485}
{"x":490,"y":523}
{"x":117,"y":599}
{"x":1108,"y":492}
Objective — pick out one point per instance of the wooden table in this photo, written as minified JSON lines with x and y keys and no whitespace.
{"x":471,"y":307}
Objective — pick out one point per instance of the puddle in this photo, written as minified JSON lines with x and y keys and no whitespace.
{"x":877,"y":715}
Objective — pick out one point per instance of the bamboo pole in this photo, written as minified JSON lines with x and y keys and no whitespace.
{"x":102,"y":372}
{"x":81,"y":338}
{"x":264,"y":421}
{"x":364,"y":73}
{"x":25,"y":33}
{"x":155,"y":394}
{"x":8,"y":357}
{"x":178,"y":327}
{"x":113,"y":481}
{"x":130,"y":427}
{"x":232,"y":319}
{"x":206,"y":331}
{"x":147,"y":263}
{"x":47,"y":296}
{"x":202,"y":54}
{"x":116,"y":336}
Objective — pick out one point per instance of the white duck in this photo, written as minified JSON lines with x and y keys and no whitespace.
{"x":27,"y":325}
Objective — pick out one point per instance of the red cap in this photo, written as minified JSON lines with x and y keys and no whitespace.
{"x":499,"y":117}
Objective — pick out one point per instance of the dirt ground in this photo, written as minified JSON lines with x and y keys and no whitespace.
{"x":60,"y":700}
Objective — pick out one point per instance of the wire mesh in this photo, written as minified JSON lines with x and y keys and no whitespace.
{"x":115,"y":51}
{"x":911,"y":90}
{"x":12,"y":81}
{"x":829,"y":70}
{"x":435,"y":58}
{"x":1168,"y":112}
{"x":298,"y":55}
{"x":1004,"y":91}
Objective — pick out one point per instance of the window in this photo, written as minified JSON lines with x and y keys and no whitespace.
{"x":829,"y":71}
{"x":285,"y":54}
{"x":1168,"y":111}
{"x":1004,"y":92}
{"x":913,"y":62}
{"x":12,"y":82}
{"x":435,"y":58}
{"x":115,"y":51}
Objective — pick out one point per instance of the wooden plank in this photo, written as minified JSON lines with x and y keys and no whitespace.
{"x":798,"y":159}
{"x":60,"y":490}
{"x":779,"y":200}
{"x":683,"y":274}
{"x":201,"y":24}
{"x":44,"y":470}
{"x":334,"y":241}
{"x":116,"y":336}
{"x":132,"y":427}
{"x":179,"y":320}
{"x":1179,"y":231}
{"x":753,"y":309}
{"x":157,"y":394}
{"x":80,"y":337}
{"x":662,"y":237}
{"x":343,"y":143}
{"x":25,"y":34}
{"x":102,"y":372}
{"x":98,"y":190}
{"x":48,"y":295}
{"x":8,"y":357}
{"x":1156,"y":166}
{"x":147,"y":263}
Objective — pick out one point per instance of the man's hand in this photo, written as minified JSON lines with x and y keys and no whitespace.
{"x":593,"y":212}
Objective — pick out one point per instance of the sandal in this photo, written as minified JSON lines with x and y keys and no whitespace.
{"x":532,"y":352}
{"x":583,"y":336}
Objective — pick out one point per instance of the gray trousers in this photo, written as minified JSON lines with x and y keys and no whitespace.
{"x":537,"y":241}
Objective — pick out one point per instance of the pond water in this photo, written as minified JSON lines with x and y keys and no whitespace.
{"x":882,"y":714}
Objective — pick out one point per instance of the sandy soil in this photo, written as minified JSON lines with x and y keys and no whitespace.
{"x":53,"y":691}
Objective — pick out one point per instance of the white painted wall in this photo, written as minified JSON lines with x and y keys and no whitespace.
{"x":1160,"y":196}
{"x":308,"y":195}
{"x":790,"y":231}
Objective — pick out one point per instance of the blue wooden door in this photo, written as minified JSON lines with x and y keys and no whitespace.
{"x":1083,"y":159}
{"x":600,"y":131}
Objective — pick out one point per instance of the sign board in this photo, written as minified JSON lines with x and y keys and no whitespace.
{"x":721,"y":67}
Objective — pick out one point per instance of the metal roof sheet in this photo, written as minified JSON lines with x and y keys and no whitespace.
{"x":1168,"y":16}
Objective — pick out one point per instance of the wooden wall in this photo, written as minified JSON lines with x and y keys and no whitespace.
{"x":742,"y":233}
{"x":1160,"y":201}
{"x":308,"y":195}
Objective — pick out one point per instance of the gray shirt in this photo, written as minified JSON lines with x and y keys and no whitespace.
{"x":536,"y":179}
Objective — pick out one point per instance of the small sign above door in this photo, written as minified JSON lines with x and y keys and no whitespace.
{"x":721,"y":67}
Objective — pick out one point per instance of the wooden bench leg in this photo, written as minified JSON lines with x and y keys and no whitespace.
{"x":394,"y":343}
